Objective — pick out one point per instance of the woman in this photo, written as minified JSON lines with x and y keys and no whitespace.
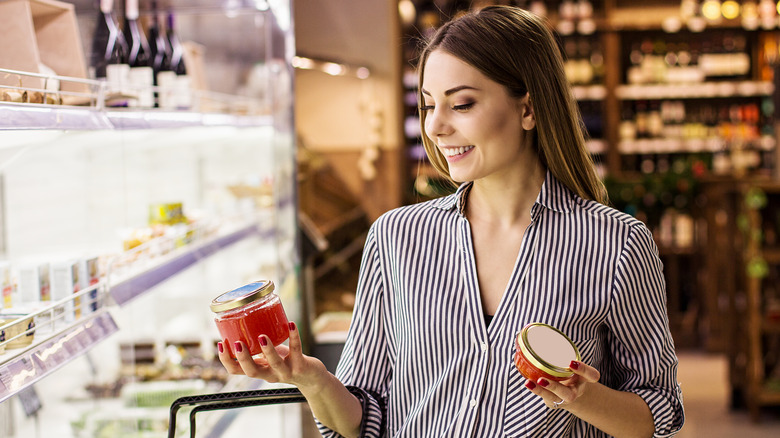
{"x":445,"y":285}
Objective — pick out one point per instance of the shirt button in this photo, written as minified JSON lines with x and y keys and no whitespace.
{"x":484,"y":347}
{"x":473,"y":403}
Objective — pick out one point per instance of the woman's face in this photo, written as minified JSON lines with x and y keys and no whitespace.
{"x":479,"y":128}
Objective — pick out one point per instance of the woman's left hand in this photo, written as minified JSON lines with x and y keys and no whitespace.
{"x":565,"y":393}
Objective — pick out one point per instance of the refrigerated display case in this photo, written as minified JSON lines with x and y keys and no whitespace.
{"x":121,"y":222}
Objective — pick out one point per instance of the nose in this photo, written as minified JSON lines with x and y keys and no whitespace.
{"x":436,"y":124}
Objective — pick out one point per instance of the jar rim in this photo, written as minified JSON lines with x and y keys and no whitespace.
{"x":242,"y":296}
{"x":537,"y":360}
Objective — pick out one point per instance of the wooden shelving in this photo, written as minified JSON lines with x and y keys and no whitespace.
{"x":760,"y":202}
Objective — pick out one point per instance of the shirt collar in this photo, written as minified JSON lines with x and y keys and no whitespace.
{"x":554,"y":196}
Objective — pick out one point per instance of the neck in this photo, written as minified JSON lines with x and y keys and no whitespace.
{"x":506,"y":199}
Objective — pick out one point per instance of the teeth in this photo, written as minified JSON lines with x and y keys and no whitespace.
{"x":451,"y":152}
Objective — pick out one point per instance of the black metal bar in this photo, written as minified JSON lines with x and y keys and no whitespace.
{"x":230,"y":400}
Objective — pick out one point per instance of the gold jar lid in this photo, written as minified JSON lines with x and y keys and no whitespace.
{"x":548,"y":349}
{"x":242,"y":296}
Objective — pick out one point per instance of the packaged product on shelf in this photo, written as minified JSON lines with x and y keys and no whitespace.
{"x":23,"y":328}
{"x":34,"y":284}
{"x":166,"y":214}
{"x":89,"y":275}
{"x":160,"y":393}
{"x":6,"y":283}
{"x":167,"y":83}
{"x":12,"y":95}
{"x":64,"y":283}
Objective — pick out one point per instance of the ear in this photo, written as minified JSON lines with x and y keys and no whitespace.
{"x":526,"y":109}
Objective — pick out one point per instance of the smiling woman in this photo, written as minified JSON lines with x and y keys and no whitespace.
{"x":446,"y":285}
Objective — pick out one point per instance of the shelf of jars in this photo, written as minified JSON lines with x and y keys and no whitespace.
{"x":41,"y":336}
{"x":99,"y":104}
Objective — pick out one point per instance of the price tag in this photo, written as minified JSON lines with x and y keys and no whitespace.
{"x":3,"y":390}
{"x":79,"y":341}
{"x":5,"y":379}
{"x":19,"y":373}
{"x":52,"y":354}
{"x":31,"y":403}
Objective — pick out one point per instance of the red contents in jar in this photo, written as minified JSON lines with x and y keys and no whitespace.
{"x":248,"y":323}
{"x":529,"y":370}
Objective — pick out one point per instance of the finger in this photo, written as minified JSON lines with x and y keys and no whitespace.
{"x":587,"y":372}
{"x":295,"y":340}
{"x":282,"y":350}
{"x":226,"y":358}
{"x":269,"y":351}
{"x":558,"y":391}
{"x":548,"y":397}
{"x":248,"y":365}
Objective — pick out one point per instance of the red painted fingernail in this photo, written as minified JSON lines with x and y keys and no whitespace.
{"x":263,"y":340}
{"x":530,"y":384}
{"x":239,"y":348}
{"x":543,"y":383}
{"x":292,"y":326}
{"x":220,"y":347}
{"x":574,"y":365}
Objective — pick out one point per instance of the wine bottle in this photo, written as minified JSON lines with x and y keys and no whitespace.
{"x":141,"y":76}
{"x":139,"y":53}
{"x":158,"y":45}
{"x":180,"y":82}
{"x":176,"y":49}
{"x":108,"y":43}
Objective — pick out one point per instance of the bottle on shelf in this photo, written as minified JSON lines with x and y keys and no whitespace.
{"x":176,"y":49}
{"x":109,"y":49}
{"x":174,"y":83}
{"x":139,"y":58}
{"x":158,"y":44}
{"x":159,"y":54}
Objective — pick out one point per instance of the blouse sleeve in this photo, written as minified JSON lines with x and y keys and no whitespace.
{"x":364,"y":366}
{"x":642,"y":348}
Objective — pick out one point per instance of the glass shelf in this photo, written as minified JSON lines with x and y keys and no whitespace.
{"x":695,"y":90}
{"x":35,"y":116}
{"x":23,"y":367}
{"x":60,"y":341}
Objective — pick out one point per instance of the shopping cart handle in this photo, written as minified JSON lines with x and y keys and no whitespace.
{"x":230,"y":400}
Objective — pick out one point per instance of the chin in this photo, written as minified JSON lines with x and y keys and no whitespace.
{"x":459,"y":179}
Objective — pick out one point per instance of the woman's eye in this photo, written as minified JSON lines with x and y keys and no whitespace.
{"x":426,"y":108}
{"x":463,"y":107}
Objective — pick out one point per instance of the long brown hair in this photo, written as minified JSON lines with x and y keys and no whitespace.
{"x":516,"y":49}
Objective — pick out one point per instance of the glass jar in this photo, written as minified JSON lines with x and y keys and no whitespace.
{"x":544,"y":351}
{"x":249,"y":311}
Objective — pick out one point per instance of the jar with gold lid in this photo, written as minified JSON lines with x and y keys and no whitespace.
{"x":245,"y":313}
{"x":544,"y":351}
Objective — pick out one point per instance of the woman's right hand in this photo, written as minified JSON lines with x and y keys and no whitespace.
{"x":281,"y":364}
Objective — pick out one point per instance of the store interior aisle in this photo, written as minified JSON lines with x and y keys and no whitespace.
{"x":704,"y":380}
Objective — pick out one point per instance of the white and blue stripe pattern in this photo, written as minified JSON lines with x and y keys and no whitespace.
{"x":418,"y":340}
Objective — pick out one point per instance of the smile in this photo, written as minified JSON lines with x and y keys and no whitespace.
{"x":453,"y":152}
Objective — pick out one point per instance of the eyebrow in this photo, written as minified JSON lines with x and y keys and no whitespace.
{"x":451,"y":90}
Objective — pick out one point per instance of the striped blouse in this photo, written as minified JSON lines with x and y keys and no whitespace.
{"x":422,"y":361}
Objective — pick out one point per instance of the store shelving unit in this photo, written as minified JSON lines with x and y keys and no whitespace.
{"x":79,"y":181}
{"x":760,"y":213}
